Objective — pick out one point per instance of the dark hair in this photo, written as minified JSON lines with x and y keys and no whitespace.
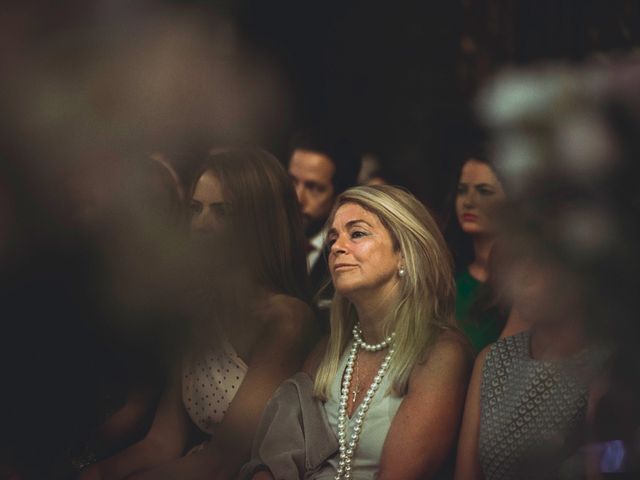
{"x":264,"y":208}
{"x":337,"y":148}
{"x":476,"y":147}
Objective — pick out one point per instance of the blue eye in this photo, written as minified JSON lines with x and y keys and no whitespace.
{"x":357,"y":234}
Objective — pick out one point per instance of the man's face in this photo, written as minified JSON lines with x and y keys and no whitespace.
{"x":312,"y":174}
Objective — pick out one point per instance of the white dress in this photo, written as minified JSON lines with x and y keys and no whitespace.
{"x":209,"y":383}
{"x":383,"y":408}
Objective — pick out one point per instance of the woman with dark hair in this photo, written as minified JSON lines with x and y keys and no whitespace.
{"x":254,"y":334}
{"x":479,"y":192}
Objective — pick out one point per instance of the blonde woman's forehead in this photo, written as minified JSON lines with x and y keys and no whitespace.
{"x":350,"y":213}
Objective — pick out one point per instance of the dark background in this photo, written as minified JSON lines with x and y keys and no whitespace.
{"x":397,"y":78}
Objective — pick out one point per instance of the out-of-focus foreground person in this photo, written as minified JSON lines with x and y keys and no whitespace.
{"x":383,"y":396}
{"x":155,"y":193}
{"x":252,"y":334}
{"x":540,"y":403}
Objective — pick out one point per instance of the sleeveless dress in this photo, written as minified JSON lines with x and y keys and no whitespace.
{"x":377,"y":421}
{"x":209,"y":383}
{"x":532,"y":412}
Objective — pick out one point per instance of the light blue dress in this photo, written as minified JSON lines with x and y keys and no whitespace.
{"x":383,"y":408}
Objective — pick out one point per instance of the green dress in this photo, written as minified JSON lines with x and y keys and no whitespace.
{"x":483,"y":332}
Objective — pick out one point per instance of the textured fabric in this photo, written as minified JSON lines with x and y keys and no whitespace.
{"x":480,"y":333}
{"x":293,"y":438}
{"x":382,"y":409}
{"x":209,"y":384}
{"x":532,"y":412}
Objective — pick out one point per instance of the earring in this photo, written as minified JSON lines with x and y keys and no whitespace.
{"x":402,"y":272}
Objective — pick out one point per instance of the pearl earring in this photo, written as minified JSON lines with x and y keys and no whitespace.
{"x":402,"y":272}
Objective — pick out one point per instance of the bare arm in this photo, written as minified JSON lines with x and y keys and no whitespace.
{"x":165,"y":440}
{"x":468,"y":461}
{"x":424,"y":430}
{"x":128,"y":420}
{"x":278,"y":354}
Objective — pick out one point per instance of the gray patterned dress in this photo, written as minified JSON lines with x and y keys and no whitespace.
{"x":532,"y":412}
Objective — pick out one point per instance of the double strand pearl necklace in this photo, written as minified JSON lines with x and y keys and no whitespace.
{"x":348,"y":449}
{"x":371,"y":347}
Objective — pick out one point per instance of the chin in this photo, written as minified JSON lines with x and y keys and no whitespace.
{"x":473,"y":229}
{"x":346,"y":289}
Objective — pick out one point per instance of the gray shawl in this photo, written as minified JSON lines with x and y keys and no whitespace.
{"x":293,"y":439}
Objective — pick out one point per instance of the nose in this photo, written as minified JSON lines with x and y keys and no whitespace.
{"x":204,"y":223}
{"x":301,"y":195}
{"x":338,"y":246}
{"x":469,"y":200}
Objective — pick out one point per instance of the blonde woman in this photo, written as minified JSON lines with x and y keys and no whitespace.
{"x":383,"y":396}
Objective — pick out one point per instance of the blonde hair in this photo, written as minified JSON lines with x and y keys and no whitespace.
{"x":425,"y":305}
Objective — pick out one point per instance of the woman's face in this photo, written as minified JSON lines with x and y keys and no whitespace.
{"x":542,"y":291}
{"x":362,"y":258}
{"x":479,"y":192}
{"x":207,"y":205}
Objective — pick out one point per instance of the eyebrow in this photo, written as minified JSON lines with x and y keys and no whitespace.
{"x":214,"y":204}
{"x":484,"y":184}
{"x":350,"y":224}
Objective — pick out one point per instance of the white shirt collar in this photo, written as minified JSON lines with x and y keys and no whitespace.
{"x":318,"y":242}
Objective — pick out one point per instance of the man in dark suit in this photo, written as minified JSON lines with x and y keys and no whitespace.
{"x":321,"y":167}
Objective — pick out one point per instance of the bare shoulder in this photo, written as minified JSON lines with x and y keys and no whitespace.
{"x":451,"y":345}
{"x":315,"y":357}
{"x":450,"y":356}
{"x":286,"y":312}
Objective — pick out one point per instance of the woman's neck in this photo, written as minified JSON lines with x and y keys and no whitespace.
{"x":373,"y":312}
{"x":479,"y":267}
{"x":557,"y":340}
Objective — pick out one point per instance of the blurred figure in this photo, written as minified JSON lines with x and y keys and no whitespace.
{"x":169,"y":178}
{"x":392,"y":369}
{"x":556,"y":401}
{"x":253,"y":329}
{"x":321,"y":167}
{"x":371,"y":171}
{"x":527,"y":401}
{"x":156,"y":195}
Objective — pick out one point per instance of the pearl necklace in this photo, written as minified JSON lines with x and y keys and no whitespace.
{"x":348,"y":449}
{"x":375,"y":347}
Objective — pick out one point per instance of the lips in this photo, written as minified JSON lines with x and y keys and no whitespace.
{"x":342,"y":266}
{"x":469,"y":217}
